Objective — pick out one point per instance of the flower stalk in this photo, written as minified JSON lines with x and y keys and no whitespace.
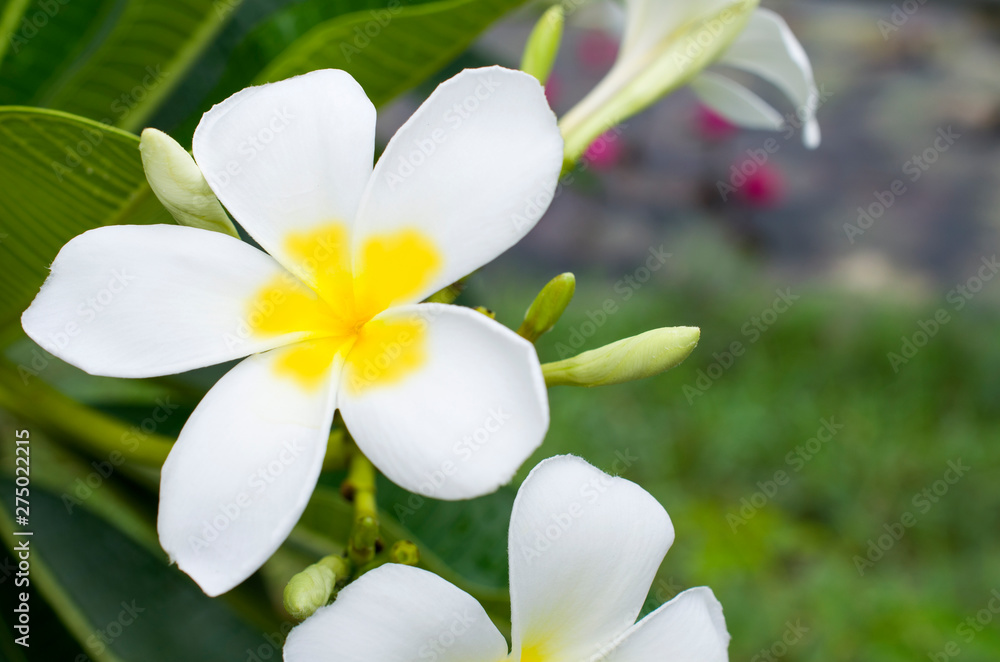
{"x":359,"y":487}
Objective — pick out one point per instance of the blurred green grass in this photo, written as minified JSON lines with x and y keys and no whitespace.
{"x":825,"y":358}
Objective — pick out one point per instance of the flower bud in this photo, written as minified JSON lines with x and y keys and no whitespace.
{"x":548,"y":307}
{"x":543,"y":44}
{"x":180,"y":185}
{"x":312,"y":588}
{"x":404,"y":552}
{"x":626,"y":360}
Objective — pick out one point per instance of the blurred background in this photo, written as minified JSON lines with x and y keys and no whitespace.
{"x":828,"y":453}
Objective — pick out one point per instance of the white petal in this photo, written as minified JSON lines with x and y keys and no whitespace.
{"x":584,"y":548}
{"x":666,"y":44}
{"x":142,"y":301}
{"x":289,"y":157}
{"x":458,"y":424}
{"x":472,"y":171}
{"x":649,"y":22}
{"x":736,"y":103}
{"x":689,"y":627}
{"x":243,"y":469}
{"x":768,"y":49}
{"x":396,"y":613}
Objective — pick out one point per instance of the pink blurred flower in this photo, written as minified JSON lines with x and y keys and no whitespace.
{"x":553,"y":89}
{"x":606,"y":151}
{"x":711,"y":125}
{"x":597,"y":50}
{"x":764,"y":188}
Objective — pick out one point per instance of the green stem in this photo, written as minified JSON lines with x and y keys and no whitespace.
{"x":360,"y":487}
{"x":338,"y":450}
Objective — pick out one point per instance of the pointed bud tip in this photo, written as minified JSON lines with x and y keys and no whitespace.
{"x":179,"y":184}
{"x":548,"y":307}
{"x":626,"y":360}
{"x":543,"y":44}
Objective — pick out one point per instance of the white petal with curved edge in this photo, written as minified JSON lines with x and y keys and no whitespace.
{"x":142,"y":301}
{"x":736,"y":103}
{"x":650,"y":22}
{"x":396,"y":613}
{"x":472,"y":171}
{"x":243,"y":469}
{"x":689,"y":627}
{"x":290,"y":156}
{"x":584,"y":548}
{"x":461,"y":423}
{"x":768,"y":49}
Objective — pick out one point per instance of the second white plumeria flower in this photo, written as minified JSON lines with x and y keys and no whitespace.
{"x":443,"y":400}
{"x":669,"y":43}
{"x":584,"y":548}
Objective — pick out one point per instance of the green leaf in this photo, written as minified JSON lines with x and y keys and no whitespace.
{"x":94,"y":547}
{"x":393,"y":49}
{"x":469,"y":536}
{"x":112,"y":61}
{"x":13,"y":11}
{"x":62,"y":175}
{"x":457,"y":540}
{"x":413,"y":40}
{"x":120,"y":601}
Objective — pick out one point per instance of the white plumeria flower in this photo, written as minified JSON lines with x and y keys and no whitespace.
{"x":443,"y":400}
{"x":584,"y":548}
{"x":668,"y":43}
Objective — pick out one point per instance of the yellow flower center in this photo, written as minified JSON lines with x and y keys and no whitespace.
{"x":337,"y":308}
{"x":531,"y":654}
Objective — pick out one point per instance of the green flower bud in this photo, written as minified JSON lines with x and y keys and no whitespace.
{"x":543,"y":44}
{"x":633,"y":358}
{"x":548,"y":307}
{"x":404,"y":552}
{"x":312,"y":588}
{"x":180,"y":185}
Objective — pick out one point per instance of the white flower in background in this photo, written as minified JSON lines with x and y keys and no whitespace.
{"x":584,"y":549}
{"x":669,"y":43}
{"x":443,"y":400}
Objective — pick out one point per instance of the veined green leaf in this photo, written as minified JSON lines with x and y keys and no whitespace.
{"x":392,"y":49}
{"x":389,"y":46}
{"x":11,"y":11}
{"x":114,"y":61}
{"x":61,"y":175}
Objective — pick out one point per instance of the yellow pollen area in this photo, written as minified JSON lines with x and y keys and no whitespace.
{"x":332,"y":305}
{"x":307,"y":362}
{"x":385,"y":352}
{"x":532,"y":654}
{"x":393,"y":267}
